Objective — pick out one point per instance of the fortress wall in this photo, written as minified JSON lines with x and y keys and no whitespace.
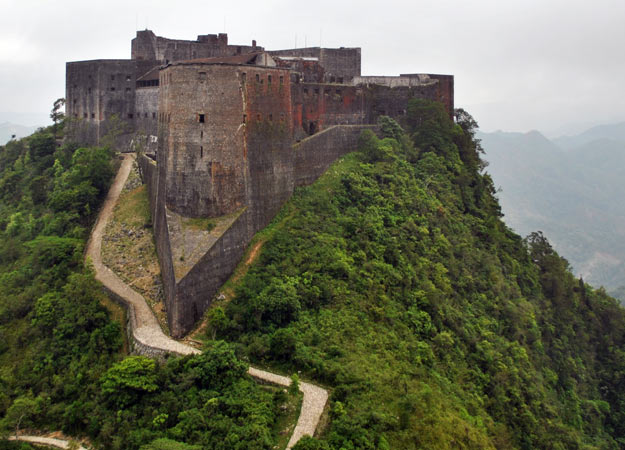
{"x":316,"y":153}
{"x":149,"y":175}
{"x":146,"y":110}
{"x":393,"y":102}
{"x":82,"y":100}
{"x":317,"y":106}
{"x":195,"y":292}
{"x":269,"y":134}
{"x":151,"y":172}
{"x":446,"y":91}
{"x":340,"y":64}
{"x":96,"y":92}
{"x":148,"y":46}
{"x":202,"y":107}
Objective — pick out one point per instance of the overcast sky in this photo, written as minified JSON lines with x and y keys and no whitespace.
{"x":518,"y":64}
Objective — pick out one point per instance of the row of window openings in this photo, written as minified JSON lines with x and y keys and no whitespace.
{"x":202,"y":119}
{"x":326,"y":91}
{"x":128,"y":78}
{"x":112,"y":89}
{"x":259,"y":79}
{"x":130,"y":115}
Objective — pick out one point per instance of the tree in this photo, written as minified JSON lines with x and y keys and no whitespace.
{"x":23,"y":408}
{"x":57,"y":115}
{"x":125,"y":380}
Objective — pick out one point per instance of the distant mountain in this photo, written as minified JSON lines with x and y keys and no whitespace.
{"x":572,"y":190}
{"x":7,"y":130}
{"x":614,"y":132}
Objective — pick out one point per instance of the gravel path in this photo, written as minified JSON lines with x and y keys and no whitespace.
{"x":147,"y":332}
{"x":51,"y":442}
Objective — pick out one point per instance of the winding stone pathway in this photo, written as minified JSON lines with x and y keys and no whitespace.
{"x":148,"y":336}
{"x":40,"y":440}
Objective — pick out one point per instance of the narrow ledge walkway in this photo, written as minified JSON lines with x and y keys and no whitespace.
{"x":147,"y":332}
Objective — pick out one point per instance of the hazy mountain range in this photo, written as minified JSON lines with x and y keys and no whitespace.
{"x":570,"y":188}
{"x":7,"y":130}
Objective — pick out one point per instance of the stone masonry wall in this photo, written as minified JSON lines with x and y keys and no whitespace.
{"x":202,"y":107}
{"x":316,"y":153}
{"x":148,"y":46}
{"x":99,"y":91}
{"x":195,"y":292}
{"x":146,"y":110}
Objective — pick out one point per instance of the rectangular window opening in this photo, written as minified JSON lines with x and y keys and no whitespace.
{"x":270,"y":117}
{"x":200,"y":118}
{"x":269,"y":79}
{"x":112,"y":77}
{"x":281,"y":80}
{"x":243,"y":77}
{"x":201,"y":151}
{"x":201,"y":134}
{"x":127,"y":89}
{"x":130,"y":115}
{"x":257,"y":78}
{"x":84,"y":115}
{"x":93,"y":115}
{"x":153,"y":115}
{"x":244,"y":118}
{"x":113,"y":88}
{"x":258,"y":117}
{"x":128,"y":77}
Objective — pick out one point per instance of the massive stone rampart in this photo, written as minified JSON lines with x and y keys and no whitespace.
{"x":275,"y":171}
{"x":314,"y":154}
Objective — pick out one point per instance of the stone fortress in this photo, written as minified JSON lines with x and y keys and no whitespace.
{"x":229,"y":132}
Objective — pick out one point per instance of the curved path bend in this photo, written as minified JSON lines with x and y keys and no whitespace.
{"x":148,"y":333}
{"x":48,"y":441}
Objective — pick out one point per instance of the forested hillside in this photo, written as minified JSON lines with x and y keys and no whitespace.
{"x":62,"y":359}
{"x":394,"y":281}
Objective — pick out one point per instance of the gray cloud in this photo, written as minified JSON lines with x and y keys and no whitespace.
{"x":518,"y":64}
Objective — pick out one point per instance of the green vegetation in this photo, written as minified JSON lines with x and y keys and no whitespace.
{"x":61,"y":361}
{"x":202,"y":224}
{"x":393,"y":281}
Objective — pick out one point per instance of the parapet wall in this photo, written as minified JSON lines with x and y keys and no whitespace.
{"x":316,"y":153}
